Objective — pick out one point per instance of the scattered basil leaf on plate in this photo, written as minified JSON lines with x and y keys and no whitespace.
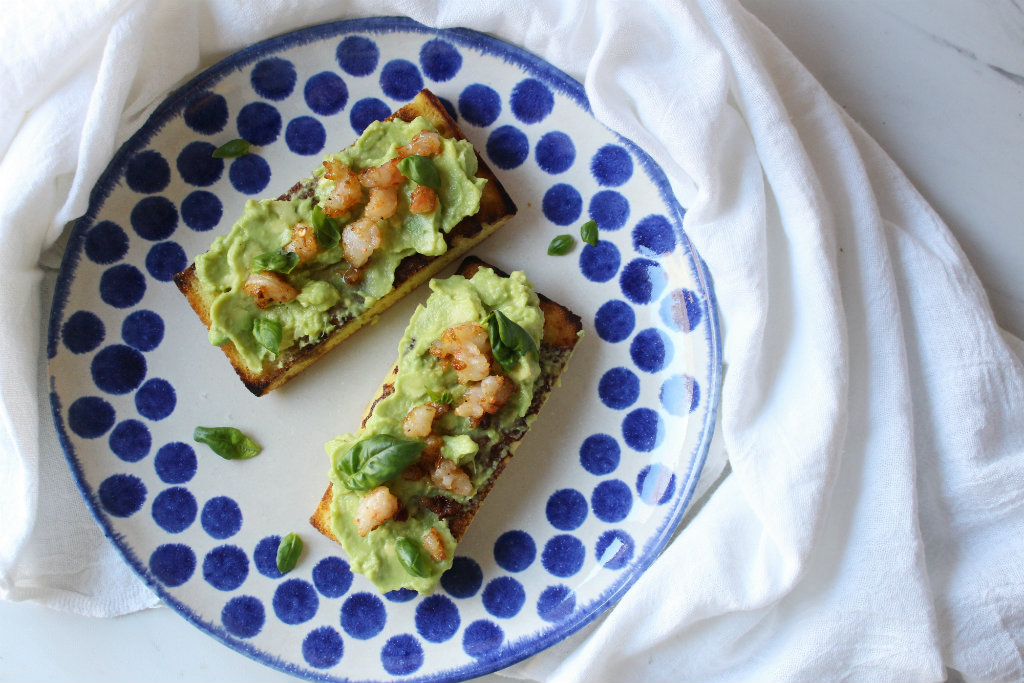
{"x":509,"y":341}
{"x":376,"y":459}
{"x":420,"y":170}
{"x":267,"y":333}
{"x":288,"y":552}
{"x":411,"y":557}
{"x":227,"y":442}
{"x":279,"y":261}
{"x":588,"y":233}
{"x":325,"y":229}
{"x":231,"y":149}
{"x":561,"y":245}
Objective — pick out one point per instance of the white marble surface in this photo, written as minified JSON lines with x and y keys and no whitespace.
{"x":939,"y":83}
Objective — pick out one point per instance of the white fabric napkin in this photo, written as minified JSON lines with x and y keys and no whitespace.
{"x":872,"y":524}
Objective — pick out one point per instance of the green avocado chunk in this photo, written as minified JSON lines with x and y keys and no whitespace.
{"x":325,"y":299}
{"x":382,"y":555}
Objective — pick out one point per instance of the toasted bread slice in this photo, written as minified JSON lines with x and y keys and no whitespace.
{"x":562,"y":330}
{"x":496,"y":208}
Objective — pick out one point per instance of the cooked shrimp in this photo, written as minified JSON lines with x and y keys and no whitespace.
{"x":303,"y":242}
{"x":422,"y":200}
{"x":468,"y":348}
{"x":268,"y":288}
{"x":385,"y":175}
{"x":426,"y":143}
{"x":420,"y":421}
{"x":450,"y":477}
{"x":347,"y":190}
{"x":486,"y":397}
{"x":434,"y":546}
{"x":359,"y":239}
{"x":383,"y":203}
{"x":377,"y":507}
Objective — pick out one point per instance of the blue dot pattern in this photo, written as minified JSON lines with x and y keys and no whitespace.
{"x":264,"y":556}
{"x":323,"y":647}
{"x":400,"y":79}
{"x":614,"y":549}
{"x":614,"y":321}
{"x":401,"y":595}
{"x":610,"y":209}
{"x":653,"y":236}
{"x":273,"y":78}
{"x":90,"y":417}
{"x":531,"y":101}
{"x":655,"y":484}
{"x":82,"y":332}
{"x":243,"y":616}
{"x":175,"y":462}
{"x":437,"y":618}
{"x":221,"y":517}
{"x":305,"y":135}
{"x":164,"y":260}
{"x":207,"y":113}
{"x":680,"y":394}
{"x":643,"y":430}
{"x":611,"y":500}
{"x":619,"y":388}
{"x":122,"y":495}
{"x":599,"y":454}
{"x":612,"y":165}
{"x":642,"y":280}
{"x":481,"y":638}
{"x":463,"y":579}
{"x":566,"y":509}
{"x":366,"y":111}
{"x":249,"y":174}
{"x":122,"y":286}
{"x":325,"y":93}
{"x":503,"y":597}
{"x":651,"y":350}
{"x":401,"y":655}
{"x":226,"y":567}
{"x":154,"y":218}
{"x":562,"y":204}
{"x":440,"y":60}
{"x":295,"y":601}
{"x":148,"y":172}
{"x":259,"y":123}
{"x":155,"y":399}
{"x":197,"y":165}
{"x":563,"y":555}
{"x":130,"y":440}
{"x":332,"y":577}
{"x":479,"y":104}
{"x":174,"y":509}
{"x":514,"y":550}
{"x":555,"y":152}
{"x":357,"y":56}
{"x":143,"y":330}
{"x":681,"y":310}
{"x":106,"y":243}
{"x":172,"y":564}
{"x":508,"y":147}
{"x":201,"y":210}
{"x":600,"y":262}
{"x":556,"y":603}
{"x":363,"y":616}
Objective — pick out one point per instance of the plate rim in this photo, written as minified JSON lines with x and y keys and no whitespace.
{"x":511,"y":651}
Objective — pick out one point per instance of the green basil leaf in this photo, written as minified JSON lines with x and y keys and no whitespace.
{"x":267,"y":333}
{"x":561,"y":245}
{"x":288,"y":552}
{"x":377,"y":459}
{"x":280,"y":261}
{"x":227,"y":442}
{"x":411,"y":557}
{"x":325,"y":229}
{"x":588,"y":232}
{"x":420,"y":170}
{"x":231,"y":149}
{"x":442,"y":397}
{"x":509,"y":341}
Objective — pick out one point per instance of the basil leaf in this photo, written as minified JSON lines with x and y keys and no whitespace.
{"x":325,"y":229}
{"x":377,"y":459}
{"x":411,"y":557}
{"x":227,"y":442}
{"x":443,"y":397}
{"x":588,"y":232}
{"x":420,"y":170}
{"x":280,"y":261}
{"x":561,"y":245}
{"x":509,"y":341}
{"x":231,"y":149}
{"x":267,"y":333}
{"x":288,"y":552}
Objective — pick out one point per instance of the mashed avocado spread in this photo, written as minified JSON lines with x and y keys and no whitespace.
{"x":325,"y":297}
{"x":385,"y":552}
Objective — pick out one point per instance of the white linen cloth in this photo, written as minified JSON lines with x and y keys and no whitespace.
{"x":872,"y":525}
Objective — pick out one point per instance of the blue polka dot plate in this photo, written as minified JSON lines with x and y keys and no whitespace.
{"x":597,"y":486}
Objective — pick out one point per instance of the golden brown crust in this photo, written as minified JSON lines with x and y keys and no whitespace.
{"x":561,"y":332}
{"x":496,"y":207}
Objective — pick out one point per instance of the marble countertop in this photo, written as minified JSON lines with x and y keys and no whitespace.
{"x":940,"y":85}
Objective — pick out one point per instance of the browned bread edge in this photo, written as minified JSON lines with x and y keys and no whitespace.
{"x":561,"y":332}
{"x":496,"y":208}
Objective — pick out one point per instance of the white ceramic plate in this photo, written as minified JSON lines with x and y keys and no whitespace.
{"x":597,"y":486}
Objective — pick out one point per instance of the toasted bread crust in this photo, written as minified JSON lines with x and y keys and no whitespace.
{"x":496,"y":208}
{"x":561,"y":332}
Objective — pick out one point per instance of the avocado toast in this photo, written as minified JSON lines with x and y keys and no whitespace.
{"x":476,"y":364}
{"x":298,"y":274}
